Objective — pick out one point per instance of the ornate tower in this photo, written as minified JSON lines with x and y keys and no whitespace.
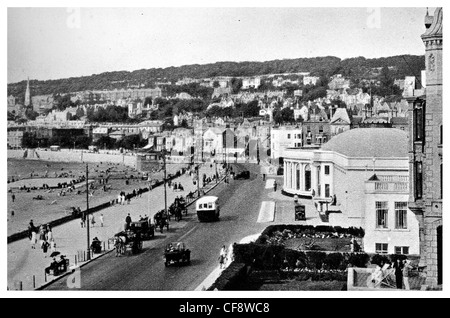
{"x":425,"y":153}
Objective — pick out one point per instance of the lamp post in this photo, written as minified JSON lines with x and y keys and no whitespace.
{"x":87,"y":212}
{"x":215,"y":166}
{"x":165,"y":187}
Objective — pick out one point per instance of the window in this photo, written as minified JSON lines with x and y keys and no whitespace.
{"x":381,"y":209}
{"x":381,"y":248}
{"x":289,"y":136}
{"x":419,"y":123}
{"x":400,"y":215}
{"x":327,"y":170}
{"x":401,"y":250}
{"x":327,"y":190}
{"x":418,"y":179}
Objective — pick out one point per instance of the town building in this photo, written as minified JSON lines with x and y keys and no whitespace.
{"x":340,"y":122}
{"x":284,"y":137}
{"x":367,"y":172}
{"x":310,"y":80}
{"x":338,"y":82}
{"x":425,"y":152}
{"x":15,"y":138}
{"x":253,"y":82}
{"x":316,"y":130}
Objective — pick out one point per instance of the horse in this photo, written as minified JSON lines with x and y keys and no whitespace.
{"x":120,"y":245}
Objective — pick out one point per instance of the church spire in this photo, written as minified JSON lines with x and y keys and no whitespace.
{"x":27,"y":94}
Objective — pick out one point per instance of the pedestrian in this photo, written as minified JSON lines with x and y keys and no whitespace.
{"x":398,"y":272}
{"x":406,"y":267}
{"x":264,"y":177}
{"x":42,"y":236}
{"x":101,"y":220}
{"x":13,"y":197}
{"x":45,"y":246}
{"x":49,"y":234}
{"x":12,"y":213}
{"x":92,"y":219}
{"x":33,"y":239}
{"x":31,"y":229}
{"x":222,"y":256}
{"x":52,"y":245}
{"x":128,"y":220}
{"x":275,"y":186}
{"x":83,"y":219}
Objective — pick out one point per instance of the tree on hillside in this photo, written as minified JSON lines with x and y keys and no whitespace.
{"x":130,"y":142}
{"x":236,"y":84}
{"x":31,"y":114}
{"x":105,"y":142}
{"x":251,"y":109}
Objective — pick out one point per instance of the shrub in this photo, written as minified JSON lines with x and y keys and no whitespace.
{"x":334,"y":260}
{"x":357,"y":259}
{"x":315,"y":259}
{"x":378,"y":259}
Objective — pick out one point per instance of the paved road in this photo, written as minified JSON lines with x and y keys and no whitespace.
{"x":240,"y":205}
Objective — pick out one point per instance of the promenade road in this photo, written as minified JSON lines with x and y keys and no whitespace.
{"x":25,"y":262}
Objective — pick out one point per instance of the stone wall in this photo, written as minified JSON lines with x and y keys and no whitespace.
{"x":74,"y":156}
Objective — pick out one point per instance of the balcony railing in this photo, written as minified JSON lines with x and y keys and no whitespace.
{"x":381,"y":186}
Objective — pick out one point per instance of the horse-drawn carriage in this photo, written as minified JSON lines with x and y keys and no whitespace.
{"x":177,"y":253}
{"x":127,"y":239}
{"x":177,"y":208}
{"x":144,"y":228}
{"x":161,"y":220}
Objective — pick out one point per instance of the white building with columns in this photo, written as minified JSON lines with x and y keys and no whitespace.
{"x":345,"y":167}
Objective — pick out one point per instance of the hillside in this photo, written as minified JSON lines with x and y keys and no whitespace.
{"x":355,"y":68}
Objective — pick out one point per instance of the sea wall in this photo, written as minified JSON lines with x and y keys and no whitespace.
{"x":65,"y":155}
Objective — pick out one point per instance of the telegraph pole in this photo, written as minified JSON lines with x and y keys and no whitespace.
{"x":87,"y":212}
{"x":198,"y":179}
{"x":165,"y":188}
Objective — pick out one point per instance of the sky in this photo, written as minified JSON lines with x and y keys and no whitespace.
{"x":50,"y":43}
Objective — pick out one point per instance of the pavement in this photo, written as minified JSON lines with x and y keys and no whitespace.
{"x":26,"y":265}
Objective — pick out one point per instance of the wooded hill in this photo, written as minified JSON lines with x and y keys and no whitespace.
{"x":353,"y":68}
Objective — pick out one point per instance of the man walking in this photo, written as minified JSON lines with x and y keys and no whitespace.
{"x":128,"y":220}
{"x":222,"y":256}
{"x":101,"y":219}
{"x":13,"y":197}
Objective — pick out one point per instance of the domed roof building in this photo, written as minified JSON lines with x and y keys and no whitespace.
{"x":370,"y":142}
{"x":358,"y":178}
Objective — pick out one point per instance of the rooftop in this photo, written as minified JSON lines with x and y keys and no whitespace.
{"x":370,"y":142}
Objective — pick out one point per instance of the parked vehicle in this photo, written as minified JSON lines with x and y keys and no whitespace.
{"x":161,"y":220}
{"x":127,"y":239}
{"x":208,"y":208}
{"x":242,"y":175}
{"x":144,"y":228}
{"x":176,"y":253}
